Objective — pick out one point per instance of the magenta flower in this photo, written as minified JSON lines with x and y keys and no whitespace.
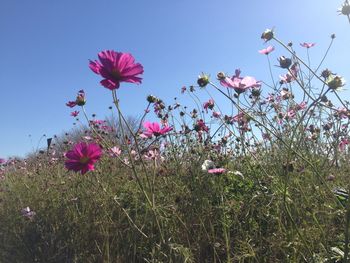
{"x":2,"y":161}
{"x":217,"y":171}
{"x":153,"y":128}
{"x":74,"y":113}
{"x":307,"y":45}
{"x":200,"y":126}
{"x":267,"y":50}
{"x":116,"y":67}
{"x":208,"y":105}
{"x":82,"y":157}
{"x":71,"y":104}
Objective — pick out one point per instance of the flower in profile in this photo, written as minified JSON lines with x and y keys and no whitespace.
{"x":82,"y":157}
{"x":307,"y":45}
{"x":80,"y":100}
{"x":116,"y":67}
{"x":267,"y":50}
{"x":71,"y":104}
{"x":217,"y":171}
{"x":153,"y":128}
{"x":74,"y":113}
{"x":335,"y":82}
{"x":208,"y":105}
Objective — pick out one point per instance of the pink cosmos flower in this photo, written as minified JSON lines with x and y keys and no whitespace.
{"x":307,"y":45}
{"x":82,"y":157}
{"x":116,"y":67}
{"x":115,"y":151}
{"x":71,"y":104}
{"x":208,"y":105}
{"x":216,"y":114}
{"x":240,"y":84}
{"x":200,"y":126}
{"x":154,"y":129}
{"x":267,"y":50}
{"x":74,"y":113}
{"x":217,"y":171}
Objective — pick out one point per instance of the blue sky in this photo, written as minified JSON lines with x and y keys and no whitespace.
{"x":45,"y":47}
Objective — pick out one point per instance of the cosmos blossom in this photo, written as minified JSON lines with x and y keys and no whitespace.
{"x":153,"y":128}
{"x":82,"y":157}
{"x":116,"y":67}
{"x":74,"y":113}
{"x":267,"y":50}
{"x":240,"y":84}
{"x":307,"y":45}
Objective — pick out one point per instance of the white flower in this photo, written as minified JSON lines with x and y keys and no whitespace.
{"x":208,"y":164}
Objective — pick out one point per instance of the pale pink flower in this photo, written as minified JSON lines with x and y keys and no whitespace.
{"x":154,"y":129}
{"x":267,"y":50}
{"x":82,"y":157}
{"x":307,"y":45}
{"x":116,"y":67}
{"x":115,"y":151}
{"x":240,"y":84}
{"x":217,"y":171}
{"x":216,"y":114}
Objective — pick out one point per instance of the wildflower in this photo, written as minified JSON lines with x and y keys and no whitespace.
{"x":80,"y":100}
{"x":216,"y":114}
{"x":116,"y":67}
{"x":71,"y":104}
{"x":2,"y":161}
{"x":74,"y":113}
{"x":115,"y":151}
{"x":240,"y":84}
{"x":200,"y":126}
{"x":307,"y":45}
{"x":154,"y":129}
{"x":207,"y":164}
{"x":203,"y":80}
{"x":335,"y":82}
{"x":82,"y":157}
{"x":28,"y":213}
{"x":267,"y":50}
{"x":208,"y":105}
{"x":267,"y":35}
{"x":217,"y":171}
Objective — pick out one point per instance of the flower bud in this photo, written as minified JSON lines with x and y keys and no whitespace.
{"x":335,"y":82}
{"x":285,"y":62}
{"x":221,"y":76}
{"x":151,"y":99}
{"x":80,"y":100}
{"x":326,"y":73}
{"x":203,"y":80}
{"x":267,"y":35}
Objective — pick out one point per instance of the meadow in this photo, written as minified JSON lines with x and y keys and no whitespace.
{"x":264,"y":181}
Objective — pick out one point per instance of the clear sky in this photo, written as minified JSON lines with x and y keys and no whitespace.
{"x":45,"y":47}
